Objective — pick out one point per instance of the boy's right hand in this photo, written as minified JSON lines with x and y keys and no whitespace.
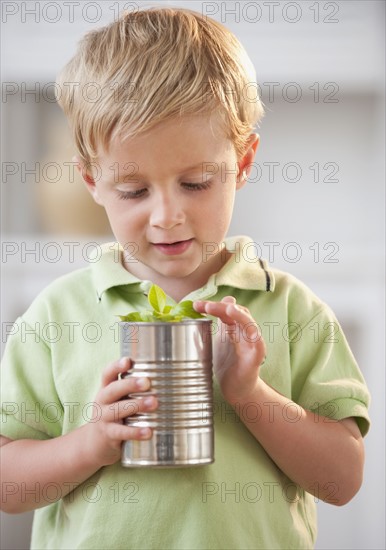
{"x":106,"y":430}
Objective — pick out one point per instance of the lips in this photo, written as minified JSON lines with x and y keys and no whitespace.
{"x":173,"y":248}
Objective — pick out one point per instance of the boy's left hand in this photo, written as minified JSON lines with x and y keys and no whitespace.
{"x":239,"y":349}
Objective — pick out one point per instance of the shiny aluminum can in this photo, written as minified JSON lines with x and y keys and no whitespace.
{"x":177,"y":358}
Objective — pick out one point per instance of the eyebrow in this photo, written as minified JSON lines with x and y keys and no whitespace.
{"x":136,"y":175}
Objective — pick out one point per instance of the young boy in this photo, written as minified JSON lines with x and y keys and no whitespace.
{"x":163,"y":145}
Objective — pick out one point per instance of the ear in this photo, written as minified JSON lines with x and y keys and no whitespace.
{"x":245,"y":163}
{"x":88,"y":179}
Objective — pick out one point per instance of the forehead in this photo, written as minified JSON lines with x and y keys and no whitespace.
{"x":177,"y":143}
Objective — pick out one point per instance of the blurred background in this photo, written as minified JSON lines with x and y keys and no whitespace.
{"x":314,"y":204}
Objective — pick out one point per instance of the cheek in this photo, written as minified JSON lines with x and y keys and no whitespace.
{"x":121,"y":216}
{"x":115,"y":212}
{"x":216,"y":213}
{"x":224,"y":201}
{"x":118,"y":209}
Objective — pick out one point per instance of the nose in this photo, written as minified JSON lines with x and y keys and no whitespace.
{"x":167,"y":212}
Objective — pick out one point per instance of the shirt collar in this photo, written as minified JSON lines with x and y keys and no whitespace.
{"x":108,"y":271}
{"x":244,"y":270}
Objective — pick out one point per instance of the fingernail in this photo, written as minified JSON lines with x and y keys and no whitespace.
{"x":123,"y":362}
{"x":145,"y":432}
{"x":142,"y":383}
{"x":148,"y":401}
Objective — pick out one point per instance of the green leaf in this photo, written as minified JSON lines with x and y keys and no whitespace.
{"x":185,"y":309}
{"x":157,"y":298}
{"x":138,"y":317}
{"x":162,"y":312}
{"x":168,"y":318}
{"x":131,"y":317}
{"x":147,"y":316}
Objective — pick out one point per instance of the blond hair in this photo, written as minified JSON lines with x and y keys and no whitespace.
{"x":151,"y":65}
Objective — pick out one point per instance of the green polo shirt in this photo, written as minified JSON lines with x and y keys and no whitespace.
{"x":51,"y":373}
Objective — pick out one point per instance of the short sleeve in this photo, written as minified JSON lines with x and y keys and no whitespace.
{"x":325,"y":376}
{"x":30,"y":406}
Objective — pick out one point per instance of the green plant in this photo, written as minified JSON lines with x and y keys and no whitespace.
{"x":161,"y":312}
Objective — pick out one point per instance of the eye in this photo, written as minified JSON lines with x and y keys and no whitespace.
{"x":197,"y":186}
{"x":125,"y":195}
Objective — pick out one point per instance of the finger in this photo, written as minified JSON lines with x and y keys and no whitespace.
{"x":217,"y":309}
{"x":137,"y":433}
{"x":117,"y":389}
{"x":199,"y":306}
{"x":243,"y":318}
{"x":112,"y":371}
{"x":123,"y":409}
{"x":202,"y":304}
{"x":236,"y":318}
{"x":120,"y":432}
{"x":229,"y":299}
{"x":238,"y":313}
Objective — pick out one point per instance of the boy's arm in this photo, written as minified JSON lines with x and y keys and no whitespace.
{"x":29,"y":466}
{"x":324,"y":456}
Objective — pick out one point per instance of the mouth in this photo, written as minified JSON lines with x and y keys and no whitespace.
{"x":172,"y":248}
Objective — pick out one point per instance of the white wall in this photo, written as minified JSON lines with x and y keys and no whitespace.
{"x":343,"y":220}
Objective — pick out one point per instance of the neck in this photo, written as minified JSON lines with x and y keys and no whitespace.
{"x":179,"y":287}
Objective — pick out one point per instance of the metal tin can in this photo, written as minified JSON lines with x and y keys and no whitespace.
{"x":177,"y":358}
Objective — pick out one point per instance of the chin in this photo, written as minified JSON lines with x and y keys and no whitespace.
{"x":176,"y":271}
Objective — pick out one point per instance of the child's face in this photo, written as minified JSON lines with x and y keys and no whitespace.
{"x":169,"y":196}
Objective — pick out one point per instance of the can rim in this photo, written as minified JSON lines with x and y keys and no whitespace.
{"x":166,"y":323}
